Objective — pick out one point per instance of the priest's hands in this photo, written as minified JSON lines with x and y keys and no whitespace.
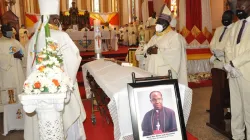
{"x":212,"y":59}
{"x":152,"y":50}
{"x":218,"y":53}
{"x":18,"y":55}
{"x":234,"y":73}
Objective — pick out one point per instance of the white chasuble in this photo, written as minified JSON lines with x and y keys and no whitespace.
{"x":11,"y":69}
{"x":171,"y":56}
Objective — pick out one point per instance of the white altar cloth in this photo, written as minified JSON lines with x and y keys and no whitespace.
{"x":13,"y":117}
{"x":113,"y":79}
{"x":81,"y":35}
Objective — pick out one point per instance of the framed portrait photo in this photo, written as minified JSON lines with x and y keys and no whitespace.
{"x":156,"y":110}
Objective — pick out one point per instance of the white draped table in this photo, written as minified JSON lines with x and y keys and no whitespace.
{"x":82,"y":36}
{"x":113,"y":79}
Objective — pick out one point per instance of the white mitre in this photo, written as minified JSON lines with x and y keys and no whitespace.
{"x":49,"y":7}
{"x":173,"y":23}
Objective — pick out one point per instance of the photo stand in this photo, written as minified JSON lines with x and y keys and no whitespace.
{"x":138,"y":92}
{"x":146,"y":79}
{"x":98,"y":99}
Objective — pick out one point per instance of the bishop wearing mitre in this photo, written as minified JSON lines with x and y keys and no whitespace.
{"x":74,"y":113}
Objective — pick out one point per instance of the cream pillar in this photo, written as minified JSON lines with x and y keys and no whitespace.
{"x":89,"y":5}
{"x":79,"y":5}
{"x":32,"y":6}
{"x":84,"y":5}
{"x":124,"y":11}
{"x":102,"y":6}
{"x":64,"y":5}
{"x":110,"y":5}
{"x":138,"y":9}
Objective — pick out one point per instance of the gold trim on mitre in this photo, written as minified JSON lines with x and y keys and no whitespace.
{"x":165,"y":13}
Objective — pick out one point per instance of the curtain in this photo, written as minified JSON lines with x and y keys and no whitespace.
{"x":150,"y":8}
{"x":3,"y":8}
{"x":182,"y":14}
{"x":206,"y":15}
{"x":193,"y":14}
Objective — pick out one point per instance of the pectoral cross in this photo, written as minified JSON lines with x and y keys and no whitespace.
{"x":158,"y":126}
{"x":158,"y":123}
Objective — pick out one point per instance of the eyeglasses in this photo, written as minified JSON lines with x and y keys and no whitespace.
{"x":155,"y":100}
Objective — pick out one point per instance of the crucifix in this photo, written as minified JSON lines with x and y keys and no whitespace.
{"x":10,"y":3}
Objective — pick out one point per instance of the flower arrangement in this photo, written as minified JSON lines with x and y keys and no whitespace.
{"x":48,"y":75}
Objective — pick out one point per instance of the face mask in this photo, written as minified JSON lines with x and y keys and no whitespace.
{"x":9,"y":34}
{"x":226,"y":22}
{"x":158,"y":28}
{"x":241,"y":14}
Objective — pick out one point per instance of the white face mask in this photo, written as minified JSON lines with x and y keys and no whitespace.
{"x":158,"y":28}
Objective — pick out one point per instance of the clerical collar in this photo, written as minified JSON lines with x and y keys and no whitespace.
{"x":229,"y":26}
{"x":164,"y":32}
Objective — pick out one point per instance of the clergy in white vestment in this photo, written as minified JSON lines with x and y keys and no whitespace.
{"x":23,"y":35}
{"x":85,"y":29}
{"x":151,"y":20}
{"x":74,"y":113}
{"x":125,"y":37}
{"x":166,"y":50}
{"x":220,"y":39}
{"x":132,"y":38}
{"x":11,"y":55}
{"x":238,"y":67}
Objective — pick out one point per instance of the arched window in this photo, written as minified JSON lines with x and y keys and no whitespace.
{"x":96,"y":5}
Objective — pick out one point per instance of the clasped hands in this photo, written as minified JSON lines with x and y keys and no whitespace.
{"x":234,"y":73}
{"x":18,"y":55}
{"x":152,"y":50}
{"x":216,"y":54}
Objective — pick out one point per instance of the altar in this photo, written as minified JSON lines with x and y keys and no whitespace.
{"x":84,"y":40}
{"x":113,"y":79}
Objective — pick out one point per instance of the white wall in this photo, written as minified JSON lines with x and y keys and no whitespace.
{"x":217,"y":9}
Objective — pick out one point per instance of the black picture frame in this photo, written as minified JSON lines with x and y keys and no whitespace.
{"x":136,"y":93}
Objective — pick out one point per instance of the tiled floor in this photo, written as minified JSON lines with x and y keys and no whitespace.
{"x":196,"y":124}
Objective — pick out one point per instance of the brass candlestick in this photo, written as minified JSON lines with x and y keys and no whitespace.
{"x":11,"y":97}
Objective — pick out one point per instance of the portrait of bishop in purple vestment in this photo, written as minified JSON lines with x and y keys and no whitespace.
{"x":160,"y":119}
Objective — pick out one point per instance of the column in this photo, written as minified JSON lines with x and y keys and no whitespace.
{"x":22,"y":11}
{"x":138,"y":9}
{"x":102,"y":5}
{"x":79,"y":5}
{"x":89,"y":5}
{"x":124,"y":11}
{"x":84,"y":5}
{"x":32,"y":6}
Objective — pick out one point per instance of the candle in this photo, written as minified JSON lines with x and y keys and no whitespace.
{"x":97,"y":22}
